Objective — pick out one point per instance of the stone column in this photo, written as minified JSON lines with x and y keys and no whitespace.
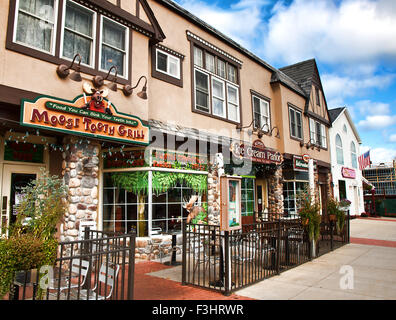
{"x":275,"y":193}
{"x":81,"y":176}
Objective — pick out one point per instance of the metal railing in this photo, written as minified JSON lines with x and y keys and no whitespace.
{"x":230,"y":260}
{"x":98,"y":267}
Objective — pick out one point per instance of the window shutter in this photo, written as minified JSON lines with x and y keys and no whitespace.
{"x":323,"y":134}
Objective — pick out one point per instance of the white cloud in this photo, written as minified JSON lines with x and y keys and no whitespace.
{"x":242,"y":21}
{"x":372,"y":108}
{"x":355,"y":31}
{"x":378,"y":155}
{"x":392,"y":138}
{"x":338,"y":87}
{"x":377,"y":122}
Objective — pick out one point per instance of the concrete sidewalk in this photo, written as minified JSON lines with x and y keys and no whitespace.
{"x":373,"y":267}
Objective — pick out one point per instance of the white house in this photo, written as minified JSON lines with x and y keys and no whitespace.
{"x":344,"y":149}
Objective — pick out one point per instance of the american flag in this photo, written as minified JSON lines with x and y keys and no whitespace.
{"x":364,"y":160}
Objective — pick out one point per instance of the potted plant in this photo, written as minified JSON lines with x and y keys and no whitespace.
{"x":31,"y":242}
{"x":336,"y":212}
{"x":309,"y":211}
{"x":332,"y":208}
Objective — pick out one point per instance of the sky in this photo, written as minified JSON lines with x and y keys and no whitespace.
{"x":352,"y":41}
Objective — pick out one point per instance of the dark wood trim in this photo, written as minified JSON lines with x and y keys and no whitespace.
{"x":59,"y":29}
{"x":137,"y":8}
{"x":119,"y":3}
{"x":13,"y":95}
{"x":162,"y":76}
{"x":210,"y":114}
{"x":158,"y":33}
{"x":56,"y":59}
{"x":317,"y":117}
{"x":214,"y":52}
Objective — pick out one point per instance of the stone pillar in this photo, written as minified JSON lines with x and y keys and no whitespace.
{"x":81,"y":176}
{"x":213,"y":198}
{"x":275,"y":193}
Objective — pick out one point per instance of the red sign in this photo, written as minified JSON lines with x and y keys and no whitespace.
{"x":257,"y":152}
{"x":348,"y":173}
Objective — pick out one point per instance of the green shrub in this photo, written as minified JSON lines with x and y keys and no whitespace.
{"x":309,"y":211}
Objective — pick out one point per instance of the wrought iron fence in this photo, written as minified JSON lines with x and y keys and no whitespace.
{"x":230,"y":260}
{"x":98,"y":267}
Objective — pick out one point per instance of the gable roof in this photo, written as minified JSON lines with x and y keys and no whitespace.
{"x":303,"y":73}
{"x":335,"y":114}
{"x":277,"y":75}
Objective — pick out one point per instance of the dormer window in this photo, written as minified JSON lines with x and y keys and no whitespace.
{"x":317,"y":96}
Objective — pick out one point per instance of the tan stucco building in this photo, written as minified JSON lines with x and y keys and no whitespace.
{"x":134,"y":160}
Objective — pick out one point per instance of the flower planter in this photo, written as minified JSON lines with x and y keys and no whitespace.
{"x":332,"y":217}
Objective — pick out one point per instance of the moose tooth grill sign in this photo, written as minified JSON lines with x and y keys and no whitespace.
{"x":256,"y":152}
{"x":84,"y":116}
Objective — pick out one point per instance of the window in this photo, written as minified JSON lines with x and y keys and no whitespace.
{"x":113,"y":46}
{"x":247,"y":191}
{"x":35,"y":24}
{"x":202,"y":91}
{"x":344,"y":128}
{"x":261,"y":113}
{"x":318,"y":133}
{"x":353,"y":155}
{"x":291,"y":190}
{"x":233,"y":103}
{"x":295,"y":123}
{"x":218,"y":96}
{"x":339,"y":151}
{"x":168,"y":64}
{"x":317,"y":96}
{"x":215,"y":86}
{"x":78,"y":32}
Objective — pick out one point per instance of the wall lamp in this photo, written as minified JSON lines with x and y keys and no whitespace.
{"x":261,"y":132}
{"x":309,"y":144}
{"x":63,"y":70}
{"x":98,"y":81}
{"x":127,"y":89}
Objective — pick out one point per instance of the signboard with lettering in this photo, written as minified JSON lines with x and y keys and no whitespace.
{"x":78,"y":117}
{"x":348,"y":173}
{"x":256,"y":152}
{"x":300,"y":163}
{"x":24,"y":152}
{"x":179,"y":160}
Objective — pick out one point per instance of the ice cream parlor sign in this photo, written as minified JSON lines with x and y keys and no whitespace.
{"x":90,"y":114}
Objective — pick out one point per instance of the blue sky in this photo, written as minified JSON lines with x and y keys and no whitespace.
{"x":353,"y":42}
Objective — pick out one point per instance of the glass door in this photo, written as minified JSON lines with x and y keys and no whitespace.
{"x":15,"y":178}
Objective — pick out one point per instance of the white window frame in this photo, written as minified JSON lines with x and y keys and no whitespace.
{"x":313,"y":133}
{"x":195,"y":92}
{"x":237,"y":105}
{"x":94,"y":19}
{"x":264,"y":104}
{"x":224,"y":115}
{"x":296,"y":124}
{"x":54,"y":32}
{"x":177,"y":76}
{"x":339,"y":149}
{"x":126,"y":56}
{"x":354,"y":164}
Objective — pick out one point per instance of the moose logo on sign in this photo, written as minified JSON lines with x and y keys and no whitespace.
{"x":97,"y":102}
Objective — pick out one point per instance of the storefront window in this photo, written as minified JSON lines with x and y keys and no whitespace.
{"x":123,"y":210}
{"x":291,"y":189}
{"x":247,"y":197}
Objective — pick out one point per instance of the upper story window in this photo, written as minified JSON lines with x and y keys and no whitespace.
{"x":55,"y":31}
{"x":344,"y":128}
{"x":339,"y":150}
{"x":318,"y":133}
{"x":35,"y":24}
{"x":216,"y":90}
{"x":295,"y":118}
{"x":78,"y":32}
{"x":167,"y":64}
{"x":261,"y":113}
{"x":317,"y":96}
{"x":113,"y":46}
{"x":353,"y":155}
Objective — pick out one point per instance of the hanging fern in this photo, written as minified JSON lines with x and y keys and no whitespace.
{"x":137,"y":182}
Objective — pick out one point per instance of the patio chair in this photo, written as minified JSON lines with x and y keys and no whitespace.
{"x":105,"y":279}
{"x":79,"y":271}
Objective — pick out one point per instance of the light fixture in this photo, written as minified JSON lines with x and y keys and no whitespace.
{"x":239,"y":126}
{"x":98,"y":81}
{"x":127,"y":89}
{"x":63,"y":70}
{"x":311,"y":145}
{"x":277,"y":134}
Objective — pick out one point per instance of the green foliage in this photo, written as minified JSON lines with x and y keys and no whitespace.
{"x":137,"y":182}
{"x":32,"y":243}
{"x":334,"y":208}
{"x":309,"y":210}
{"x":202,"y":217}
